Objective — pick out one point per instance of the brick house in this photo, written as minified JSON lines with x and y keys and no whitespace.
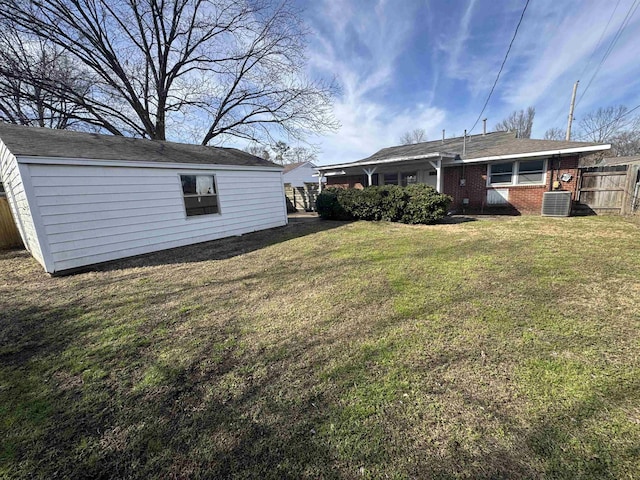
{"x":486,"y":172}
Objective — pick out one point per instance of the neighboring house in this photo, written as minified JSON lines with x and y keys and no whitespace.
{"x":298,"y":174}
{"x":301,"y":185}
{"x":480,"y":172}
{"x":80,"y":198}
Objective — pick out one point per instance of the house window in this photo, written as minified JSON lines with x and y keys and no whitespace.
{"x":200,"y":196}
{"x":530,"y":172}
{"x":408,"y":179}
{"x":2,"y":192}
{"x":391,"y":179}
{"x":501,"y":173}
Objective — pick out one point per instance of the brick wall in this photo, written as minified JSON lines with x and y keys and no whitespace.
{"x":522,"y":198}
{"x":347,"y":181}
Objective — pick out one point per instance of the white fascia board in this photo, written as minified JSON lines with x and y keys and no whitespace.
{"x":141,"y":164}
{"x":546,"y":153}
{"x":385,"y":161}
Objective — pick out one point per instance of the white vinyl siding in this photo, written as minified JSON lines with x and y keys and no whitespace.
{"x":93,"y":214}
{"x":522,"y":172}
{"x":17,"y":199}
{"x":301,"y":175}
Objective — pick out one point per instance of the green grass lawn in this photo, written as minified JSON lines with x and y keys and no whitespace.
{"x":502,"y":348}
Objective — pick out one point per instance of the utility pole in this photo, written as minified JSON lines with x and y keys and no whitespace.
{"x":573,"y":104}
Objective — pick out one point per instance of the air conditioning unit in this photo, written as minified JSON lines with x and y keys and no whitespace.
{"x":556,"y":204}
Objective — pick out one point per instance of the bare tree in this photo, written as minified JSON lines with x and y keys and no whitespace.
{"x":284,"y":154}
{"x":30,"y":75}
{"x":626,"y":143}
{"x":258,"y":150}
{"x":302,"y":154}
{"x":417,"y":135}
{"x":233,"y":67}
{"x":520,"y":122}
{"x":555,"y":133}
{"x":604,"y":123}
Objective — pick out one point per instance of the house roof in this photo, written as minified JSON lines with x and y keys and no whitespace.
{"x":293,"y":166}
{"x":478,"y":147}
{"x":46,"y":142}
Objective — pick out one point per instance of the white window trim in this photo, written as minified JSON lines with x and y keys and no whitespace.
{"x":515,"y":174}
{"x":217,"y":195}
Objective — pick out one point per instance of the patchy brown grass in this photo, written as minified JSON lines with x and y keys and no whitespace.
{"x":487,"y":349}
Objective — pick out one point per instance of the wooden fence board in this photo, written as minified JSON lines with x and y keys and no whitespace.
{"x":9,"y":235}
{"x":603,"y":190}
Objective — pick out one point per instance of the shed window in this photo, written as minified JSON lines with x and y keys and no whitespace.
{"x":200,"y":196}
{"x":530,"y":172}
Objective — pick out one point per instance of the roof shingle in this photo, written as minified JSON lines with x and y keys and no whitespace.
{"x":477,"y":146}
{"x":46,"y":142}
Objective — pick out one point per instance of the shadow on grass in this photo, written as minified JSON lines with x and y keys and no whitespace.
{"x":220,"y":249}
{"x":567,"y":442}
{"x":74,"y":407}
{"x":103,"y":383}
{"x":456,"y":219}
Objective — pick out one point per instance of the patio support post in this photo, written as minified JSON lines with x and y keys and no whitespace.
{"x":370,"y":172}
{"x":320,"y":176}
{"x":438,"y":166}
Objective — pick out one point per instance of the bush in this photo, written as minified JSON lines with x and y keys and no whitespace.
{"x":417,"y":203}
{"x":329,"y":207}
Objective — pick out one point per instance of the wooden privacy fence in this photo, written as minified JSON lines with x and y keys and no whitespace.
{"x":603,"y":189}
{"x":302,"y":198}
{"x":9,"y":235}
{"x":613,"y":189}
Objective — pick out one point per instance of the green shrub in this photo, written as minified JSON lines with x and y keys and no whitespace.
{"x":329,"y":207}
{"x":417,"y":203}
{"x":424,"y":205}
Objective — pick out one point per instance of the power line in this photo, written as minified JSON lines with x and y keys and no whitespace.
{"x":632,"y":10}
{"x":593,"y":53}
{"x":501,"y":66}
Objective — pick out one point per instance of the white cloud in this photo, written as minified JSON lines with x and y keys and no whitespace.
{"x":369,"y":119}
{"x":553,"y":50}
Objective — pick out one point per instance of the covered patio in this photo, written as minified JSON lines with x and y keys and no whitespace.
{"x":426,"y":169}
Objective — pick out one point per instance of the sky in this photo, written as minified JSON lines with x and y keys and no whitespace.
{"x":429,"y":64}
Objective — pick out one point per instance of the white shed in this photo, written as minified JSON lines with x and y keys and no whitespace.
{"x":79,"y":198}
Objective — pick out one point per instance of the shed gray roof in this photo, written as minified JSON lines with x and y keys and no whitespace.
{"x":478,"y":146}
{"x":46,"y":142}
